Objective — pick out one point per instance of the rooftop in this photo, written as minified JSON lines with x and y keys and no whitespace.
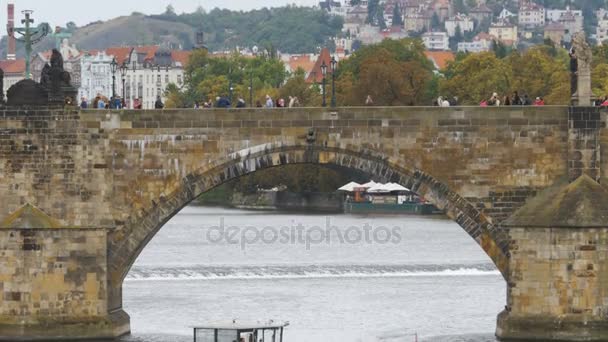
{"x":582,"y":203}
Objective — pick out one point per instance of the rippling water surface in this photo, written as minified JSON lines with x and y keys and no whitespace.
{"x":434,"y":282}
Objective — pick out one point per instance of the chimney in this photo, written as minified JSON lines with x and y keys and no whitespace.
{"x":11,"y":52}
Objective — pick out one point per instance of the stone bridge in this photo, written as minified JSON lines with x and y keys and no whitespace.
{"x":83,"y":192}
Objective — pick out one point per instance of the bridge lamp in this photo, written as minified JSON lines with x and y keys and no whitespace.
{"x":324,"y":72}
{"x":123,"y":73}
{"x":334,"y":65}
{"x":113,"y":66}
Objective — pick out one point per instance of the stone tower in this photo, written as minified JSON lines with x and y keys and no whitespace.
{"x":558,"y":274}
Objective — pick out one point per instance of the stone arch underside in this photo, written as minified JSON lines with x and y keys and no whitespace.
{"x":127,"y":242}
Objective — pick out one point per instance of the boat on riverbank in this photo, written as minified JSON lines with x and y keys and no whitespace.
{"x":390,"y":198}
{"x":270,"y":331}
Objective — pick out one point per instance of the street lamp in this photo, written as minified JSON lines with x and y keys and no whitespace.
{"x":324,"y":72}
{"x":334,"y":65}
{"x":230,"y":83}
{"x":123,"y":73}
{"x":113,"y":65}
{"x":251,"y":88}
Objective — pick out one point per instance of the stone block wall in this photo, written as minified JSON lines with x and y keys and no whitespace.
{"x":58,"y":274}
{"x":557,"y":284}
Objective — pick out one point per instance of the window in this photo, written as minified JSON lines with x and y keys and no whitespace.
{"x":167,"y":79}
{"x":158,"y":80}
{"x":179,"y":79}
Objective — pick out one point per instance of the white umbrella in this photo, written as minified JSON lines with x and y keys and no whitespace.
{"x":350,"y":187}
{"x":371,"y":184}
{"x":379,"y":189}
{"x":397,"y":187}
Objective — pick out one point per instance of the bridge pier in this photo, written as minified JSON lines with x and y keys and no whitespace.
{"x":54,"y":281}
{"x":558,"y":274}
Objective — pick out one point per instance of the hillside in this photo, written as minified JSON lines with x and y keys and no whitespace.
{"x":289,"y":29}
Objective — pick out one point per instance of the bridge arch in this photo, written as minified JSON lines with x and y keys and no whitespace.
{"x":127,"y":242}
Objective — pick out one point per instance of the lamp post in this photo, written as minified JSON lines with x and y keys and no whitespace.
{"x":334,"y":65}
{"x":324,"y":72}
{"x":251,"y":88}
{"x":230,"y":89}
{"x":113,"y":66}
{"x":123,"y":73}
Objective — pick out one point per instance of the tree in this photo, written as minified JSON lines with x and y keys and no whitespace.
{"x":538,"y":74}
{"x":476,"y":77}
{"x":459,"y":6}
{"x":457,"y":38}
{"x":170,"y":11}
{"x":397,"y":19}
{"x":296,"y":86}
{"x":372,"y":11}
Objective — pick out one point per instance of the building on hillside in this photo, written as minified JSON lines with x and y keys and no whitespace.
{"x":440,"y":59}
{"x":394,"y":32}
{"x":555,"y":32}
{"x":369,"y":34}
{"x":505,"y":32}
{"x":14,"y":71}
{"x":150,"y":70}
{"x":96,"y":75}
{"x":506,"y":14}
{"x":601,"y":34}
{"x":441,"y":8}
{"x":304,"y":61}
{"x":436,"y":40}
{"x":556,"y":14}
{"x":465,"y":24}
{"x":481,"y":13}
{"x":418,"y":22}
{"x":572,"y":24}
{"x":357,"y":14}
{"x":480,"y":43}
{"x":334,"y":7}
{"x":531,"y":15}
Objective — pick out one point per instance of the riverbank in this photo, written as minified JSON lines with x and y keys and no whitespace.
{"x":284,"y":201}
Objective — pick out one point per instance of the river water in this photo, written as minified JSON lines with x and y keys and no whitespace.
{"x":334,"y":278}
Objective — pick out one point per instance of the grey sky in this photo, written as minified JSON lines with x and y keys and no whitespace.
{"x":58,"y":12}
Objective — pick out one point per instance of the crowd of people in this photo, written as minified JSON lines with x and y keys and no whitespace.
{"x":495,"y":101}
{"x":224,"y":102}
{"x":102,"y":102}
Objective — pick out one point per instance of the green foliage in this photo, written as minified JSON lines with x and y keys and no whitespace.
{"x":289,"y":29}
{"x":394,"y":72}
{"x":207,"y":78}
{"x":540,"y":71}
{"x":296,"y":178}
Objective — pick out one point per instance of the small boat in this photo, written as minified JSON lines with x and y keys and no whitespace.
{"x":237,"y":331}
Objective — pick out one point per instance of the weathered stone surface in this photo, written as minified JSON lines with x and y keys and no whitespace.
{"x":582,"y":204}
{"x":130,"y":171}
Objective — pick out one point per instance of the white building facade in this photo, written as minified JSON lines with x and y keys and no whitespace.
{"x":465,"y":23}
{"x":96,"y":76}
{"x":556,"y":14}
{"x":532,"y":15}
{"x":436,"y":40}
{"x":148,"y":78}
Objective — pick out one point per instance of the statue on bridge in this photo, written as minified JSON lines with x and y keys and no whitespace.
{"x":580,"y":71}
{"x":54,"y":88}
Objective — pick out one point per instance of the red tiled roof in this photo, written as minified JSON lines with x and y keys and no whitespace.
{"x":120,"y":53}
{"x":301,"y":62}
{"x":13,"y":66}
{"x":316,"y":75}
{"x":440,"y":58}
{"x":181,"y":56}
